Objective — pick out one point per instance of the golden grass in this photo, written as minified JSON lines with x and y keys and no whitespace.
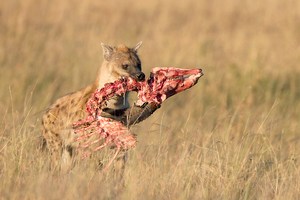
{"x":235,"y":135}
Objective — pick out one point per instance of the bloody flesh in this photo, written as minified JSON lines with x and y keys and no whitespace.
{"x":162,"y":84}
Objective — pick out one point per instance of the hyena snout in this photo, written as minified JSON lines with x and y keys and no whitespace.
{"x":140,"y":76}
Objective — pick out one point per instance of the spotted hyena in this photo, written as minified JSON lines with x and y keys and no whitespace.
{"x":119,"y":61}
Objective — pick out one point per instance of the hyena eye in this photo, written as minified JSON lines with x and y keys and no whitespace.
{"x":125,"y":66}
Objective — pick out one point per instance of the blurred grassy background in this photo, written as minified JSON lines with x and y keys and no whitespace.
{"x":235,"y":135}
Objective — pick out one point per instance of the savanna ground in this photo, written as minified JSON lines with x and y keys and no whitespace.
{"x":235,"y":135}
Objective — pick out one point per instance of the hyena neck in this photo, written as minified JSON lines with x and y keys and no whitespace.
{"x":105,"y":75}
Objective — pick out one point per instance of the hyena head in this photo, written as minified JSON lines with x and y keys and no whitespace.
{"x":122,"y":61}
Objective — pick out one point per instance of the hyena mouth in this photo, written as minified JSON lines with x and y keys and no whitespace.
{"x":138,"y":76}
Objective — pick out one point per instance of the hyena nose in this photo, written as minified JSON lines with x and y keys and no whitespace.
{"x":141,"y":76}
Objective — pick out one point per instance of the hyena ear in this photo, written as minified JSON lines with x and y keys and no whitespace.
{"x":107,"y":51}
{"x":138,"y":46}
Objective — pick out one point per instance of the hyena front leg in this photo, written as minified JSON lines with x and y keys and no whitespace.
{"x":55,"y":146}
{"x":67,"y":158}
{"x":119,"y":164}
{"x":118,"y":168}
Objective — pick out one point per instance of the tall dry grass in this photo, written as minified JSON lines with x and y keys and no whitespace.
{"x":235,"y":135}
